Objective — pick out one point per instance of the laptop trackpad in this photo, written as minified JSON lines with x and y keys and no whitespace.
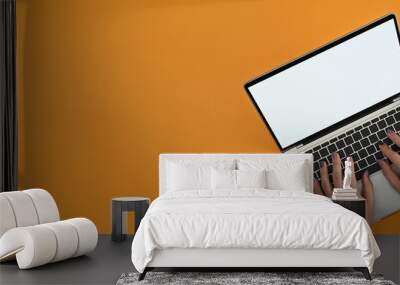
{"x":387,"y":199}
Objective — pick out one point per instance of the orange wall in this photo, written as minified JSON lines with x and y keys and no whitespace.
{"x":105,"y":86}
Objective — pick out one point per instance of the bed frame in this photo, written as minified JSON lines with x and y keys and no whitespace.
{"x":236,"y":259}
{"x":260,"y":259}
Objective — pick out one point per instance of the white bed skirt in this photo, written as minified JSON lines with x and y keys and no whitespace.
{"x":189,"y":257}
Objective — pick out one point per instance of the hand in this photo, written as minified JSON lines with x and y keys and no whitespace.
{"x":325,"y":187}
{"x":391,"y":172}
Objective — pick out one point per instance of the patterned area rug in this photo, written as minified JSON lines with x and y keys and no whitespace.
{"x":229,"y":278}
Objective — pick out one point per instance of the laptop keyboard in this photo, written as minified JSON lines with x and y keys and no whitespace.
{"x":361,"y":143}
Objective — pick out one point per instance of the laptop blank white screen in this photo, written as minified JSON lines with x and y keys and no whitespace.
{"x":331,"y":86}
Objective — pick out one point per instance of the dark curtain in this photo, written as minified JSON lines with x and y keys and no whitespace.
{"x":8,"y":102}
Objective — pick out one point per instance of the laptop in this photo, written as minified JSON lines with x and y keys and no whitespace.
{"x":342,"y":97}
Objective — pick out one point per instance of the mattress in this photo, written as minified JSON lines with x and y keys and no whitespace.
{"x":250,"y":219}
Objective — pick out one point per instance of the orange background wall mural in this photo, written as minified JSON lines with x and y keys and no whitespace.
{"x":105,"y":86}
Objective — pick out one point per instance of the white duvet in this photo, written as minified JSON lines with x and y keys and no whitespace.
{"x":251,"y":218}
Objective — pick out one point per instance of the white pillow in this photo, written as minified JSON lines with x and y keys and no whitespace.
{"x":193,"y":174}
{"x":282,"y":174}
{"x":237,"y":179}
{"x":277,"y":180}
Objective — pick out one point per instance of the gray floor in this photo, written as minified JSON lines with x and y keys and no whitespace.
{"x":104,"y":266}
{"x":110,"y":260}
{"x":389,"y":262}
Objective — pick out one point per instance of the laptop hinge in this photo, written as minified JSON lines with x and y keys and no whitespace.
{"x":299,"y":146}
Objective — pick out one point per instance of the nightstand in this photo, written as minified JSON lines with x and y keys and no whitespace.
{"x":356,"y":205}
{"x":122,"y":205}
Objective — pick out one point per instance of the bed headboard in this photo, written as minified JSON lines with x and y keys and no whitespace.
{"x":165,"y":158}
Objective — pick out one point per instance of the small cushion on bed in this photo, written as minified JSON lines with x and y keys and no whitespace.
{"x":223,"y":179}
{"x":251,"y":178}
{"x":281,"y":174}
{"x":236,"y":179}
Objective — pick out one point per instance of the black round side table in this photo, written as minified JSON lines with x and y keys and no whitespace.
{"x":120,"y":206}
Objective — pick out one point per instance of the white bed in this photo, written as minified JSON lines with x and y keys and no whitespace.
{"x":249,"y":227}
